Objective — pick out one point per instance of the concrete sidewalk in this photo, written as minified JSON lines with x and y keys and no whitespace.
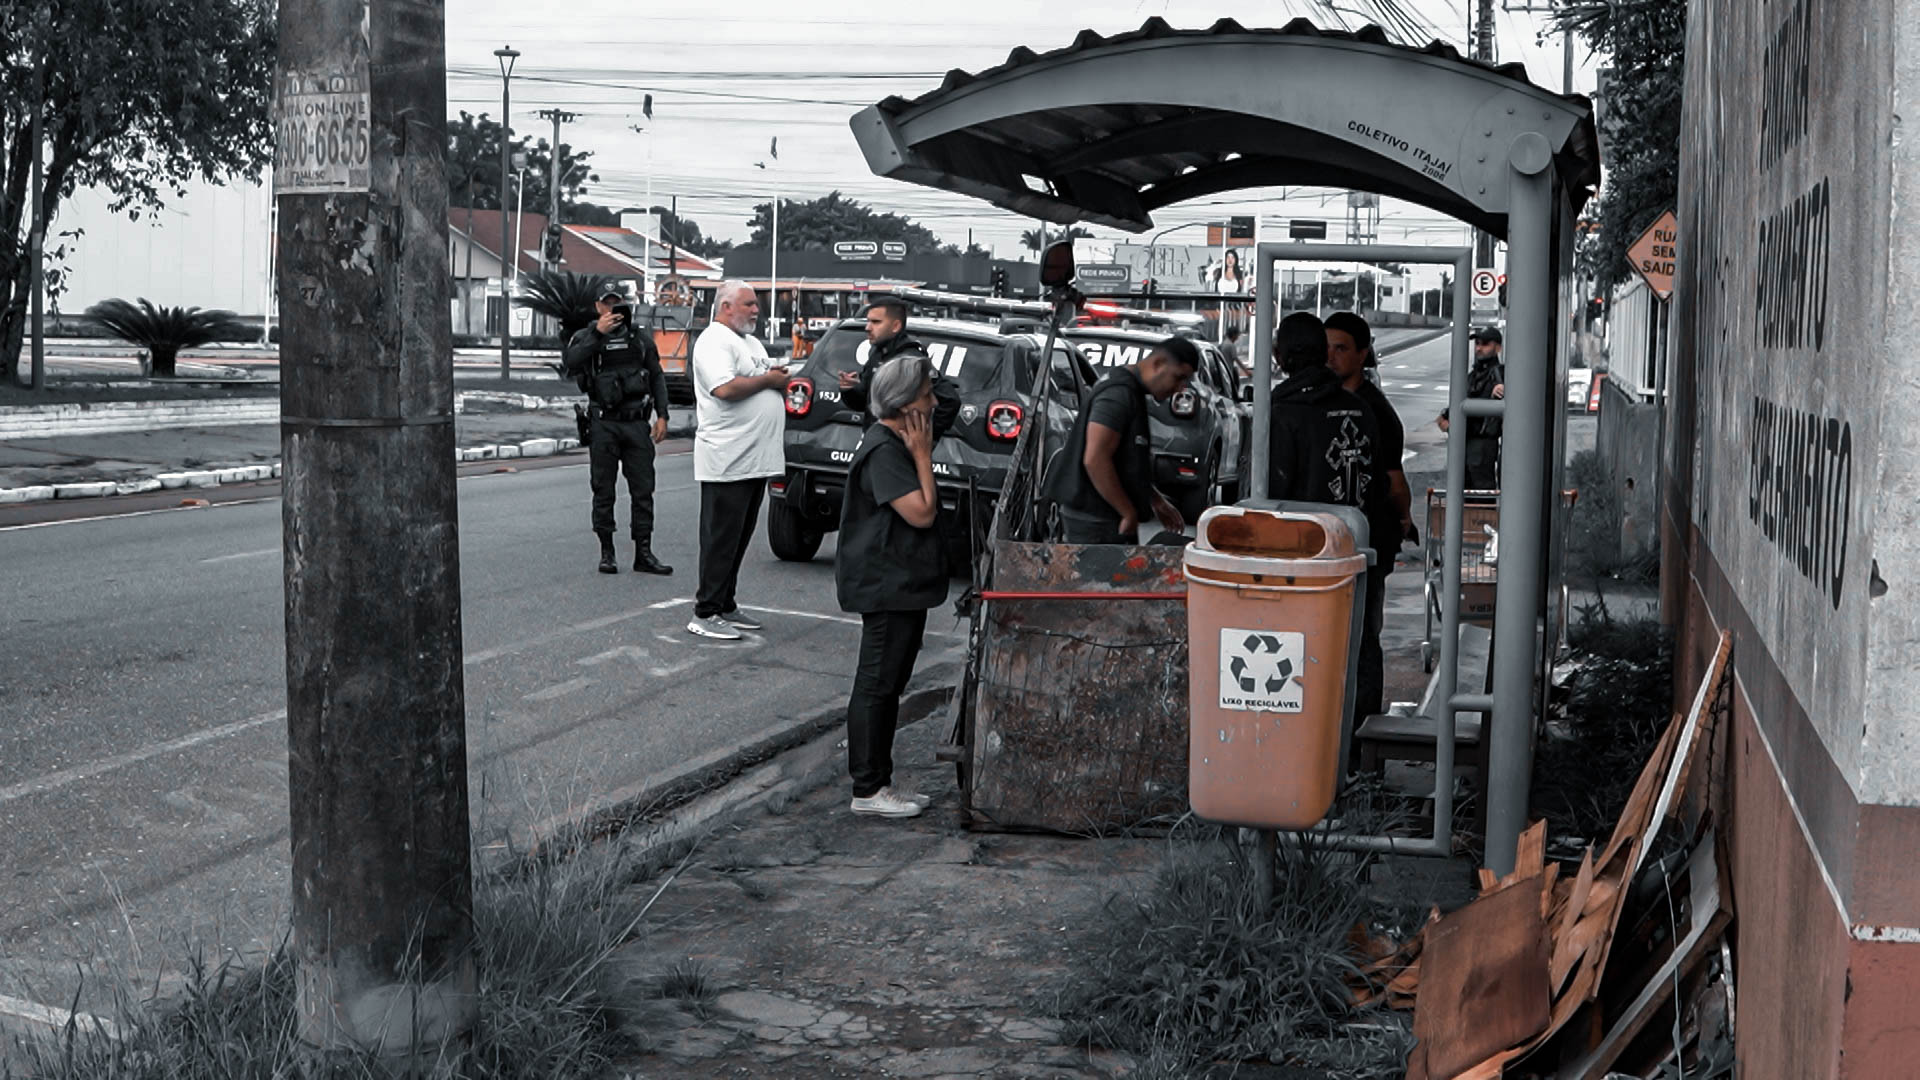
{"x":844,"y":946}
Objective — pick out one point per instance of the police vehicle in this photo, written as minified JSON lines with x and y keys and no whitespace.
{"x":995,"y":372}
{"x":1202,"y":436}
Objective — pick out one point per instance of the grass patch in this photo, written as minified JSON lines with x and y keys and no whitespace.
{"x":1193,"y":973}
{"x":693,"y":984}
{"x":550,"y":997}
{"x":1608,"y":717}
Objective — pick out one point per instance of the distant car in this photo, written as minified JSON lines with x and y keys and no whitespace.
{"x":1202,"y":436}
{"x":995,"y":373}
{"x":1579,"y":386}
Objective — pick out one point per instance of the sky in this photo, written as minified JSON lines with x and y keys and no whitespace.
{"x":727,"y":82}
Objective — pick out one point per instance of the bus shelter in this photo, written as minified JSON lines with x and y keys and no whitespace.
{"x":1110,"y":129}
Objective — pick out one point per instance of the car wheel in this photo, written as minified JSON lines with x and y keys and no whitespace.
{"x":1195,"y":502}
{"x":789,"y":536}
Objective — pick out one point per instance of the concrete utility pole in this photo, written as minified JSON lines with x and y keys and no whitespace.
{"x":509,"y":258}
{"x":382,"y":889}
{"x":1483,"y":51}
{"x":38,"y":237}
{"x":558,"y":116}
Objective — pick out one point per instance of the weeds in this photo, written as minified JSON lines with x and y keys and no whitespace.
{"x":1192,"y":971}
{"x":1593,"y":528}
{"x":690,"y":981}
{"x":544,"y":941}
{"x":1611,"y":712}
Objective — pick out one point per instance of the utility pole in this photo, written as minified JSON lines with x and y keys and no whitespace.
{"x":509,"y":258}
{"x":558,"y":116}
{"x":38,"y":237}
{"x":1483,"y":51}
{"x":382,"y":889}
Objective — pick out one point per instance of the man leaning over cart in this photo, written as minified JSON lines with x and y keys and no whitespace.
{"x":1102,"y":482}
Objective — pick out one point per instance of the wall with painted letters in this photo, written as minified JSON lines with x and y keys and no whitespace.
{"x":1781,"y":332}
{"x":1791,"y":510}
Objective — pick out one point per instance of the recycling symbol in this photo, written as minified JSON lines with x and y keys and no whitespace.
{"x":1277,"y":673}
{"x":1262,"y":669}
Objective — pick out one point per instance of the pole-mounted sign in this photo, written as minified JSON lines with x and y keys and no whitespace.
{"x":1655,"y":253}
{"x":322,"y":125}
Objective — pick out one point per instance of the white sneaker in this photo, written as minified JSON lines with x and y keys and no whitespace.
{"x":740,"y":620}
{"x":713,"y":626}
{"x":886,"y":803}
{"x":911,"y":796}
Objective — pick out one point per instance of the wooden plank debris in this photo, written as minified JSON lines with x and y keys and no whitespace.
{"x":1485,"y":988}
{"x":1462,"y":968}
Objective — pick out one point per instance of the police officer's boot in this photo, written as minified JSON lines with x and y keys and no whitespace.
{"x":609,"y":563}
{"x":645,"y":562}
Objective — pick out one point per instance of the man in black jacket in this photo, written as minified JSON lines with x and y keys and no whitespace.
{"x":618,"y":367}
{"x":1324,"y":444}
{"x":886,"y":339}
{"x":1487,"y":379}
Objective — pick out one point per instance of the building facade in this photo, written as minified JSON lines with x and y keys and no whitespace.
{"x":1791,"y":509}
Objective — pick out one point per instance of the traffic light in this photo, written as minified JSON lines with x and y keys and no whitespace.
{"x":553,"y":249}
{"x":999,"y":278}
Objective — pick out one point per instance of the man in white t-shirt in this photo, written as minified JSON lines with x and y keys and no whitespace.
{"x":738,"y":447}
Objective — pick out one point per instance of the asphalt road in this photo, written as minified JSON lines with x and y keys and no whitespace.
{"x":143,"y":743}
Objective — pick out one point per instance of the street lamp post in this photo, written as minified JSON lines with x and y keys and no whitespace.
{"x":506,"y":55}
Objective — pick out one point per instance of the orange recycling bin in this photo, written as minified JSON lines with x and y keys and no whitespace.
{"x":1273,"y":618}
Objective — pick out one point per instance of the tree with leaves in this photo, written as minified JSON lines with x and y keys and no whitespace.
{"x":1640,"y":111}
{"x":133,"y":99}
{"x":473,"y":166}
{"x":815,"y":225}
{"x":1035,"y":239}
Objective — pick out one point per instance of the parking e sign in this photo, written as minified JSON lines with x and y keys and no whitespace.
{"x":1485,"y":284}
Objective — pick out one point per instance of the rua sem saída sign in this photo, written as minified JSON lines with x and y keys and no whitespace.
{"x":322,"y":126}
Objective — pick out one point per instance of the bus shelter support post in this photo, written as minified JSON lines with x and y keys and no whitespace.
{"x":1525,"y":474}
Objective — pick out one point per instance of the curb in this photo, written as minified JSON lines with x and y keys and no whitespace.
{"x":250,"y":474}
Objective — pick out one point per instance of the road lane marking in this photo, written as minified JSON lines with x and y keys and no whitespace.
{"x":820,"y":615}
{"x":511,"y":647}
{"x":624,"y":652}
{"x":661,"y":671}
{"x":243,"y":555}
{"x":130,"y":513}
{"x":1409,"y":455}
{"x":1410,"y":386}
{"x":64,"y":777}
{"x":559,"y":689}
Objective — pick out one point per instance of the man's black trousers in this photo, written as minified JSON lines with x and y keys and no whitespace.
{"x":1370,"y":680}
{"x":1483,"y":463}
{"x":729,"y":510}
{"x":616,"y":446}
{"x":889,"y":644}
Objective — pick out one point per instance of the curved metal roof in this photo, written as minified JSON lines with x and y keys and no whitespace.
{"x":1109,"y":129}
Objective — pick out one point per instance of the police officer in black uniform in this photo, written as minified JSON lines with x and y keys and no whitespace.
{"x":618,"y":367}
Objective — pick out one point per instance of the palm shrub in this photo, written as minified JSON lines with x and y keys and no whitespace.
{"x":164,"y":331}
{"x":563,"y":296}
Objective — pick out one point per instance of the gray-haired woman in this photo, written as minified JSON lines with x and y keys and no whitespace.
{"x":891,"y":568}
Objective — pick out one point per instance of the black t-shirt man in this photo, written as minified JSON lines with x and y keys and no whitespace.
{"x":1324,"y":446}
{"x":883,"y":563}
{"x":1102,"y":481}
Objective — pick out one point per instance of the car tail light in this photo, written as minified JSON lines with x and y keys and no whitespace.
{"x":1593,"y":392}
{"x":1004,"y":419}
{"x":1184,"y":404}
{"x":799,"y":397}
{"x":778,"y":487}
